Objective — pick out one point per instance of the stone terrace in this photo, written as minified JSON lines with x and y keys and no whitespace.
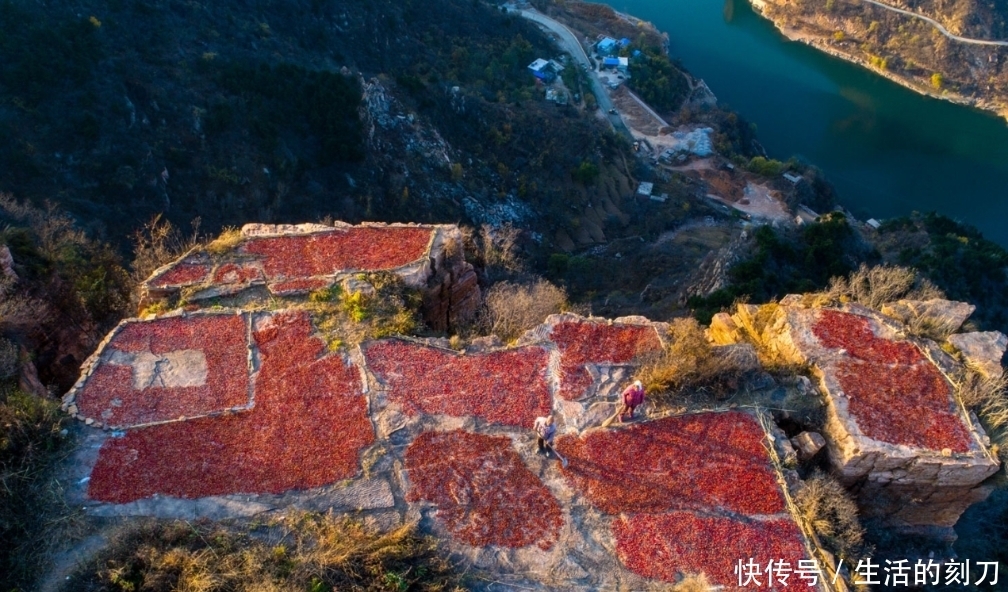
{"x":407,"y":430}
{"x":895,"y":430}
{"x":293,"y":260}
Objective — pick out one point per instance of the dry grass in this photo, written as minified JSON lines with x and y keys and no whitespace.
{"x":988,"y":398}
{"x":688,"y":366}
{"x":511,"y":309}
{"x":828,"y":509}
{"x":229,"y":238}
{"x":692,"y":583}
{"x":881,"y":284}
{"x":314,"y":552}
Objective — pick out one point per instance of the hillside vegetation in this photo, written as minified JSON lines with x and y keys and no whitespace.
{"x":280,"y":112}
{"x":910,"y":49}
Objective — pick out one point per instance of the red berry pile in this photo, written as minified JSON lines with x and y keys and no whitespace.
{"x":661,"y":546}
{"x":484,"y":494}
{"x":182,"y":274}
{"x":505,"y":387}
{"x":896,"y":394}
{"x":587,"y":342}
{"x":306,"y":429}
{"x":356,"y":248}
{"x":712,"y":460}
{"x":109,"y":395}
{"x":235,"y":273}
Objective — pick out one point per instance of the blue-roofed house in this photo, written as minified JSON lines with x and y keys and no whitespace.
{"x":541,"y":69}
{"x":624,"y":42}
{"x":607,"y":46}
{"x":610,"y":62}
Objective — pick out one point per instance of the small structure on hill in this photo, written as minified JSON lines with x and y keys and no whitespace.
{"x":543,"y":70}
{"x":606,"y":46}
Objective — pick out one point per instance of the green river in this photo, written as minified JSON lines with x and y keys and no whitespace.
{"x":888,"y":150}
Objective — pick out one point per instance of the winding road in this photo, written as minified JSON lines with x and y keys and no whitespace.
{"x":938,"y":26}
{"x":569,"y":42}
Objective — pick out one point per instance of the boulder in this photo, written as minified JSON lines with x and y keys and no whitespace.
{"x":983,"y":351}
{"x":947,"y":314}
{"x":807,"y":444}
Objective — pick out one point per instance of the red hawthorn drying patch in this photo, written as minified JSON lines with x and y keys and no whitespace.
{"x":299,"y":285}
{"x":585,"y":342}
{"x":182,"y":274}
{"x":324,"y":253}
{"x":664,"y":545}
{"x":308,"y":426}
{"x":234,"y":273}
{"x":693,"y":461}
{"x":109,"y":395}
{"x":507,"y":387}
{"x":896,"y":394}
{"x":485,"y":495}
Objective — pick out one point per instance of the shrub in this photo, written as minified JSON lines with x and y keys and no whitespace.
{"x":689,"y":365}
{"x":511,"y":309}
{"x":496,"y":249}
{"x":693,"y":583}
{"x":586,"y":173}
{"x":828,"y":509}
{"x":882,"y":284}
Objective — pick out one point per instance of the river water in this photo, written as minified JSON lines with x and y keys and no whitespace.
{"x":887,"y":150}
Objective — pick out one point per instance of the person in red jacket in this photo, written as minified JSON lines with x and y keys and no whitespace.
{"x":632,"y":397}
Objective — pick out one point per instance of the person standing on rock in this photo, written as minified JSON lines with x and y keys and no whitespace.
{"x":545,"y":429}
{"x":633,"y":396}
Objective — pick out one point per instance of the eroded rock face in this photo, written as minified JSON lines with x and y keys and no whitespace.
{"x":895,"y":432}
{"x":948,"y":314}
{"x":983,"y":350}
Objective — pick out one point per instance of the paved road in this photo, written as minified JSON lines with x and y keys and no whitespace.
{"x":570,"y":43}
{"x":938,"y":26}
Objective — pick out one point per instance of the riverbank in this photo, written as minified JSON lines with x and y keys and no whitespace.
{"x":920,"y":86}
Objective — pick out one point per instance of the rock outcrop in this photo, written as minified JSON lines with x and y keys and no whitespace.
{"x":983,"y":351}
{"x":895,"y":432}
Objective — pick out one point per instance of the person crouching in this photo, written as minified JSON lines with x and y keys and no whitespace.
{"x":545,"y":430}
{"x":633,"y":396}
